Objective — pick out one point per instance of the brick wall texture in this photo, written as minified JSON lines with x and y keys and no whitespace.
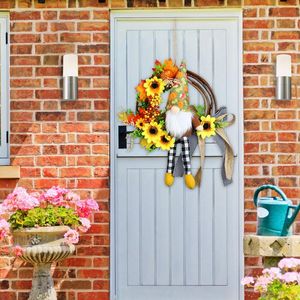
{"x":67,"y":143}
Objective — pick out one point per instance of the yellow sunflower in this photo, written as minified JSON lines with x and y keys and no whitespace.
{"x":208,"y":127}
{"x":140,"y":123}
{"x":145,"y":144}
{"x":152,"y":132}
{"x":154,"y":86}
{"x":165,"y":141}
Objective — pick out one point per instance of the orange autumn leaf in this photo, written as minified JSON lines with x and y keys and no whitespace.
{"x":141,"y":90}
{"x":170,"y":70}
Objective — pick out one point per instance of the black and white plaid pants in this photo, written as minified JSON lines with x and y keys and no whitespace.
{"x":184,"y":141}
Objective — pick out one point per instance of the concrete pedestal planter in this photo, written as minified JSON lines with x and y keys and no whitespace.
{"x":43,"y":246}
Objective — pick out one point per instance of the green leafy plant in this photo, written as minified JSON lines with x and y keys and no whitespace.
{"x":49,"y":216}
{"x":281,"y":291}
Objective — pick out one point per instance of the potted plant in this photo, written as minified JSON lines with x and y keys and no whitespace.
{"x":44,"y":226}
{"x":280,"y":283}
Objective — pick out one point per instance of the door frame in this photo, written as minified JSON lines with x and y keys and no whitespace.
{"x":115,"y":15}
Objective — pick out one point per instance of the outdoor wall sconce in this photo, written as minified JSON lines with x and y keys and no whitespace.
{"x":283,"y":77}
{"x":70,"y":77}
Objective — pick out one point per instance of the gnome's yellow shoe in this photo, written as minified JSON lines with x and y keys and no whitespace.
{"x":169,"y":179}
{"x":189,"y":181}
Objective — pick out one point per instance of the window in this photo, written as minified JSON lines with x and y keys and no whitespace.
{"x":4,"y":100}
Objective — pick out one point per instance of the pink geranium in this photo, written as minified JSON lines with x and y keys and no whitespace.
{"x":290,"y":277}
{"x":261,"y":284}
{"x":85,"y":225}
{"x":18,"y":250}
{"x":248,"y":280}
{"x":72,"y":197}
{"x":272,"y":272}
{"x":19,"y":199}
{"x":72,"y":236}
{"x":289,"y":263}
{"x":85,"y":208}
{"x":4,"y":229}
{"x":55,"y":196}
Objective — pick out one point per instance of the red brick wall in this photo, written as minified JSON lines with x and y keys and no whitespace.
{"x":271,"y":126}
{"x":57,"y":142}
{"x":66,"y":143}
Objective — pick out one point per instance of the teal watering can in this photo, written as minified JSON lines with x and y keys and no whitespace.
{"x":274,"y":215}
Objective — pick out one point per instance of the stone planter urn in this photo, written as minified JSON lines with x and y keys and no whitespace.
{"x":43,"y":246}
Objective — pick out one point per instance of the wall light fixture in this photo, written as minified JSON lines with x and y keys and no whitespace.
{"x":283,"y":77}
{"x":70,"y":77}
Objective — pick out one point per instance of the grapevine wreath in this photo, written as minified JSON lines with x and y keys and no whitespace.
{"x":163,"y":129}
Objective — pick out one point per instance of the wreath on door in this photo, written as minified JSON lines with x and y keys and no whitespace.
{"x":180,"y":122}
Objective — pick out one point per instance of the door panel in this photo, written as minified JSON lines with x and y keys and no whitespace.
{"x":175,"y":243}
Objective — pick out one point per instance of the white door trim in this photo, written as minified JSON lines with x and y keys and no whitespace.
{"x":137,"y":14}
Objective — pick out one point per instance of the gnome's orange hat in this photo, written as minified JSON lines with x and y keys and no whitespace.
{"x":179,"y":93}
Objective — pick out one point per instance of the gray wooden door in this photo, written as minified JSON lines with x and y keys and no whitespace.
{"x":175,"y":243}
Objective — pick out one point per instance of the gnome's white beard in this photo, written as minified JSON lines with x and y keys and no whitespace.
{"x":179,"y":123}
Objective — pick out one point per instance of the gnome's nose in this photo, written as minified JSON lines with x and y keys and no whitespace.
{"x":175,"y":109}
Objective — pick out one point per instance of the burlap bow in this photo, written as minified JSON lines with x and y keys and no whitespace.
{"x":221,"y":140}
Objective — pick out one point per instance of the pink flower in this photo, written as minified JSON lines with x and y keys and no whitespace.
{"x":2,"y":210}
{"x":262,"y":283}
{"x":248,"y":280}
{"x":72,"y":236}
{"x":85,"y":208}
{"x":4,"y":229}
{"x":290,"y":277}
{"x":274,"y":273}
{"x":289,"y":263}
{"x":71,"y":196}
{"x":55,"y":196}
{"x":85,"y":225}
{"x":18,"y":250}
{"x":19,"y":199}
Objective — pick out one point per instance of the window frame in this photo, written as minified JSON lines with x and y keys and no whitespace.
{"x":4,"y":99}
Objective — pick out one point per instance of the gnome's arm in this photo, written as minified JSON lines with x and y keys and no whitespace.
{"x":196,"y":122}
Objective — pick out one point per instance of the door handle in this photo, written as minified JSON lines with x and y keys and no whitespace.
{"x":123,"y":136}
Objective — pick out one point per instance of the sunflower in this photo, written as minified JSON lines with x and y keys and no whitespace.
{"x":154,"y":86}
{"x":152,"y":132}
{"x":208,"y":127}
{"x":165,"y":141}
{"x":146,"y":145}
{"x":140,"y":123}
{"x":169,"y":70}
{"x":141,"y":90}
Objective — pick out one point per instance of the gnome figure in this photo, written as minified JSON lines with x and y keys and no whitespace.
{"x":180,"y":123}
